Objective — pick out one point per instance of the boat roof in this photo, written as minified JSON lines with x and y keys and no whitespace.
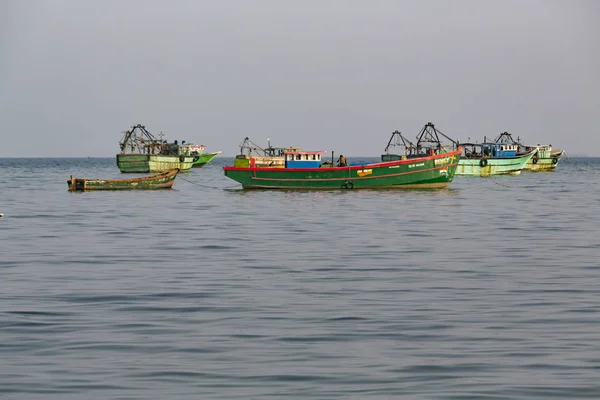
{"x":304,"y":152}
{"x":487,"y":144}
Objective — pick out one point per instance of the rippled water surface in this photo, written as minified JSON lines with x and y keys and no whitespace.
{"x":487,"y":289}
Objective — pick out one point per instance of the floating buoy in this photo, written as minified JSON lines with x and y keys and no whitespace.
{"x":1,"y":215}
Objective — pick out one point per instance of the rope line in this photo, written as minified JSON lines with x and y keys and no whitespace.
{"x":206,"y":186}
{"x":487,"y":177}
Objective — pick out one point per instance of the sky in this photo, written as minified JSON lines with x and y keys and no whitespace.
{"x":337,"y":75}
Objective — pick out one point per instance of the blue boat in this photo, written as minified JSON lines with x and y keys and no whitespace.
{"x":544,"y":157}
{"x":493,"y":158}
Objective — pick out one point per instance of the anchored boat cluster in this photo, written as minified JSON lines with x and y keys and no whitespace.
{"x":431,"y":161}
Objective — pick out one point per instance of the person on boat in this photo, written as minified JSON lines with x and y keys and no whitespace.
{"x":341,"y":162}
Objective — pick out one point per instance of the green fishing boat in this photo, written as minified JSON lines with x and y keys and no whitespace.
{"x":200,"y":157}
{"x":160,"y":181}
{"x":204,"y":159}
{"x":544,"y":159}
{"x":141,"y":152}
{"x":492,"y":158}
{"x":428,"y":164}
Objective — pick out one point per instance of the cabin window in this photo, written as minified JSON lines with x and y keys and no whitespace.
{"x":298,"y":157}
{"x":314,"y":156}
{"x":290,"y":157}
{"x":318,"y":157}
{"x":501,"y":147}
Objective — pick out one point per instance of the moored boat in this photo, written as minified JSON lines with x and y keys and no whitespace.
{"x":544,"y":158}
{"x":200,"y":157}
{"x":160,"y":181}
{"x":428,"y":164}
{"x":492,"y":158}
{"x":141,"y":152}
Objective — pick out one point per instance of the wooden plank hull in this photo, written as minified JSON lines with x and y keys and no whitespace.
{"x":161,"y":181}
{"x":493,"y":165}
{"x":435,"y":171}
{"x":547,"y":163}
{"x":148,"y":163}
{"x":204,"y":159}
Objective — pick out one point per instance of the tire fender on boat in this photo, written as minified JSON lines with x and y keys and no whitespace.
{"x":182,"y":158}
{"x":483,"y":162}
{"x":554,"y":160}
{"x":534,"y":160}
{"x":349,"y":185}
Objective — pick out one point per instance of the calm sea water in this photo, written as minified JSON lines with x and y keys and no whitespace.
{"x":487,"y":289}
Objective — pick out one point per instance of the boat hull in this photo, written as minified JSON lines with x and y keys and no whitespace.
{"x":423,"y":172}
{"x":161,"y":181}
{"x":539,"y":164}
{"x":492,"y":165}
{"x":204,"y":159}
{"x":146,"y":163}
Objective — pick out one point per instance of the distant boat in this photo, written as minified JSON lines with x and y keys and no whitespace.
{"x":160,"y":181}
{"x":200,"y":157}
{"x":141,"y":152}
{"x":428,"y":164}
{"x":492,"y":158}
{"x":544,"y":158}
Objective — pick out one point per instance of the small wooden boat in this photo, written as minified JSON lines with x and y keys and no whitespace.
{"x":160,"y":181}
{"x":429,"y":164}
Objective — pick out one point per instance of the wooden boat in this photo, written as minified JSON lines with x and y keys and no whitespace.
{"x":493,"y":158}
{"x":426,"y":165}
{"x":160,"y":181}
{"x":544,"y":158}
{"x":200,"y":157}
{"x":141,"y":152}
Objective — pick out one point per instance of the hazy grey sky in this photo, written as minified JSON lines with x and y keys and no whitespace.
{"x":319,"y":74}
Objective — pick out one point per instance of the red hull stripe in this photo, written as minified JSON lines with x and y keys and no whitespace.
{"x":348,"y":178}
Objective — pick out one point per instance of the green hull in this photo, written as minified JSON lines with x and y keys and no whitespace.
{"x":493,"y":166}
{"x":538,"y":164}
{"x":423,"y":172}
{"x":204,"y":159}
{"x":162,"y":181}
{"x":144,"y":163}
